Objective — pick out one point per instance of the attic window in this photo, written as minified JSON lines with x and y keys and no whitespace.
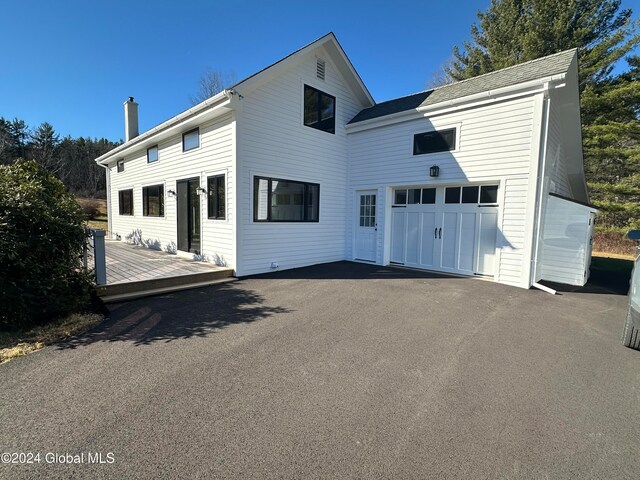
{"x":320,"y":67}
{"x":319,"y":110}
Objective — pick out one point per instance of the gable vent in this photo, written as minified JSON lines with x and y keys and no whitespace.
{"x":320,"y":69}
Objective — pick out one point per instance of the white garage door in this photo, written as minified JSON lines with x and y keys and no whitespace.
{"x":451,"y":229}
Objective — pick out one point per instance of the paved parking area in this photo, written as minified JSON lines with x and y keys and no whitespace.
{"x":337,"y":371}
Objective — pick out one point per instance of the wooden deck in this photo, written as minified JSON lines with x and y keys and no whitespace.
{"x":134,"y":271}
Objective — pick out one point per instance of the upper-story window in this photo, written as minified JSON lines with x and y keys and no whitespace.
{"x":191,"y":140}
{"x":319,"y":110}
{"x":434,"y":141}
{"x":152,"y":154}
{"x":120,"y":166}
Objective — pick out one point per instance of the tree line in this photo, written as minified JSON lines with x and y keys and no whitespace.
{"x":515,"y":31}
{"x":70,"y":159}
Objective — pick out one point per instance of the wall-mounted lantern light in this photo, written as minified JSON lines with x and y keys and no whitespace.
{"x":200,"y":190}
{"x":434,"y":171}
{"x":171,"y":193}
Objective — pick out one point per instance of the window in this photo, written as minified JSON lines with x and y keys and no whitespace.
{"x":435,"y":141}
{"x":152,"y":154}
{"x":120,"y":165}
{"x":412,"y":196}
{"x":191,"y":140}
{"x":319,"y":110}
{"x":216,"y":197}
{"x":452,"y":195}
{"x":470,"y":194}
{"x":276,"y":200}
{"x":428,"y":195}
{"x":489,"y":194}
{"x":367,"y":210}
{"x":125,"y":202}
{"x":153,"y":201}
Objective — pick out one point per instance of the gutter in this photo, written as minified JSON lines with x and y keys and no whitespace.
{"x":219,"y":100}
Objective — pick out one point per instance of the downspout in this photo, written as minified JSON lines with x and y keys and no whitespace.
{"x":108,"y":184}
{"x":540,"y":196}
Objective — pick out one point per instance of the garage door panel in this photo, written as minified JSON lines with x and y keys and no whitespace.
{"x":487,"y":242}
{"x":413,"y":238}
{"x":449,"y":240}
{"x":398,"y":235}
{"x":466,"y":242}
{"x":428,"y":239}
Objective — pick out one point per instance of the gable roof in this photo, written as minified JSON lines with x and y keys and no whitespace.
{"x":346,"y":68}
{"x":330,"y":43}
{"x":532,"y":70}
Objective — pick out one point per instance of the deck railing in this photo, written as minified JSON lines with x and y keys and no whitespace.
{"x":93,"y":258}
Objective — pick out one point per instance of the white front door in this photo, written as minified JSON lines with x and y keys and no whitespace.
{"x":366,"y":226}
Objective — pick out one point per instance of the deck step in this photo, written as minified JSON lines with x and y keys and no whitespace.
{"x":162,"y":284}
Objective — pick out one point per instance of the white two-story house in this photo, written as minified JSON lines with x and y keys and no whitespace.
{"x":297,"y":165}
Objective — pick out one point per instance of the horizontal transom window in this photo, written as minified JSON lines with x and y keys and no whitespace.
{"x":278,"y":200}
{"x":412,"y":196}
{"x":434,"y":141}
{"x":476,"y":194}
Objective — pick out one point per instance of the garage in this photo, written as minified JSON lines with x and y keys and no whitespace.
{"x":451,"y":229}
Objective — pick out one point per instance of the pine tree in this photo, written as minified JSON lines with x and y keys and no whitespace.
{"x":514,"y":31}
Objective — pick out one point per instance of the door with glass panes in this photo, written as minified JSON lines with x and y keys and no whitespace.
{"x":366,"y":226}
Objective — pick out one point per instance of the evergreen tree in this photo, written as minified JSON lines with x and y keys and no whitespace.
{"x":44,"y":142}
{"x":514,"y":31}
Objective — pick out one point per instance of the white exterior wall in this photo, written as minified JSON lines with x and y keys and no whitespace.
{"x":213,"y":157}
{"x":495,"y":145}
{"x":273,"y":142}
{"x":566,"y":252}
{"x":556,"y":166}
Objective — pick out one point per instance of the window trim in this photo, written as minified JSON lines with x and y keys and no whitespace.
{"x":270,"y":180}
{"x":335,"y":108}
{"x":184,"y":134}
{"x":120,"y":163}
{"x":224,"y":214}
{"x":433,"y":128}
{"x":162,"y":190}
{"x":120,"y":192}
{"x":157,"y":154}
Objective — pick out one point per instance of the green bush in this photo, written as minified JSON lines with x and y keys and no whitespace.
{"x":41,"y":242}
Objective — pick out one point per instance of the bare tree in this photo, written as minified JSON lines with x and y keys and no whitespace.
{"x":440,"y":76}
{"x":211,"y":82}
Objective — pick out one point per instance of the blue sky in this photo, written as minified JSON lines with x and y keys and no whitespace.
{"x":73,"y":63}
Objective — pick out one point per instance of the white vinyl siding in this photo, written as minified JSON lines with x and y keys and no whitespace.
{"x":214,"y":156}
{"x":566,"y":252}
{"x":274,"y":142}
{"x":556,"y":161}
{"x":494,"y":145}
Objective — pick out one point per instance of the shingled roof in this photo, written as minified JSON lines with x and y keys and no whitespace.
{"x":540,"y":68}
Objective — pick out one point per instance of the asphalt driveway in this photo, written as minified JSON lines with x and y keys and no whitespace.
{"x":336,"y":371}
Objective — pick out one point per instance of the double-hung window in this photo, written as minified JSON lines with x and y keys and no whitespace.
{"x":216,"y":197}
{"x":153,"y":201}
{"x":278,"y":200}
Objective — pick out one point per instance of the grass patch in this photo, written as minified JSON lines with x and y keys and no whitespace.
{"x":23,"y":342}
{"x":95,"y":210}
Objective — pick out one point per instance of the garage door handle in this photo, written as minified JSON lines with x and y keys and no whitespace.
{"x":440,"y":233}
{"x":435,"y":233}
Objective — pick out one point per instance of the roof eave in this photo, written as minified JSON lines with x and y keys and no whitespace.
{"x":220,"y":100}
{"x":457,"y":102}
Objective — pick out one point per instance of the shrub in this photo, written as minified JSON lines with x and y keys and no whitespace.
{"x":41,"y":242}
{"x":90,"y":207}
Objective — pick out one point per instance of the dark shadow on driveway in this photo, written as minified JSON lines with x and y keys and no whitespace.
{"x":186,"y":314}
